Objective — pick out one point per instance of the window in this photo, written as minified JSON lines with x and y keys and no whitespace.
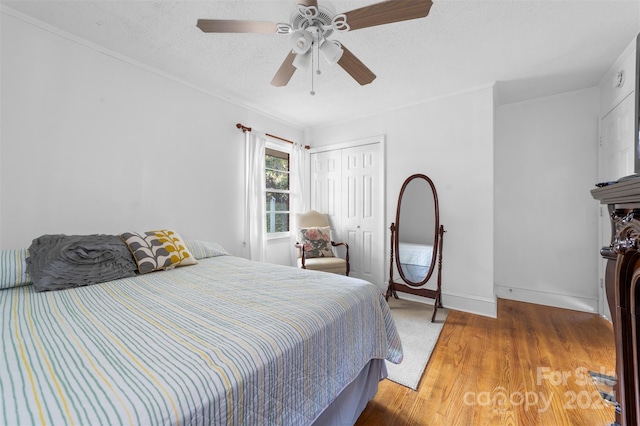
{"x":277,"y":191}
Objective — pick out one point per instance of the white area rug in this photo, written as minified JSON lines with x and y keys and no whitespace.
{"x":418,"y":335}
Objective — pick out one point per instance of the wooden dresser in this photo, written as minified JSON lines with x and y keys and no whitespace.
{"x":623,"y":292}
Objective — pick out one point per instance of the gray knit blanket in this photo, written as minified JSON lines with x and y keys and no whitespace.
{"x":60,"y":261}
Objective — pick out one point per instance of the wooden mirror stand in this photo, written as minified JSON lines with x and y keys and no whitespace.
{"x":416,"y":241}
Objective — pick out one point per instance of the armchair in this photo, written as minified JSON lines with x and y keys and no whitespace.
{"x":315,"y":248}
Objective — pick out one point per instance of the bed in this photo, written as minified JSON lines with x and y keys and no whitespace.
{"x":415,"y":260}
{"x":225,"y":341}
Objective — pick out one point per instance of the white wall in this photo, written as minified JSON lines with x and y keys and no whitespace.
{"x":451,"y":141}
{"x":94,"y":143}
{"x":546,"y":248}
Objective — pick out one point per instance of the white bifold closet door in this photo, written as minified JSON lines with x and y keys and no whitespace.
{"x":347,"y":184}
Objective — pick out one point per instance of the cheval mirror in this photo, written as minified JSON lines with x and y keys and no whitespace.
{"x":416,"y":241}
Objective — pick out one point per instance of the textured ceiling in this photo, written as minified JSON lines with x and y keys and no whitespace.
{"x":532,"y":48}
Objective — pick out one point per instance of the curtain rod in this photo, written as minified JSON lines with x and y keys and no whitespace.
{"x":248,"y":129}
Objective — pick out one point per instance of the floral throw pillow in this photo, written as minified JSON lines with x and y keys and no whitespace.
{"x":316,"y":241}
{"x":158,"y":250}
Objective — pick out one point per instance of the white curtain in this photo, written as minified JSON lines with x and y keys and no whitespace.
{"x":297,"y":195}
{"x":255,"y":205}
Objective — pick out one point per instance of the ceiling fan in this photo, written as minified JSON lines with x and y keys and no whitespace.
{"x":310,"y":26}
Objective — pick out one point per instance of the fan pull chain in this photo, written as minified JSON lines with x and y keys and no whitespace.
{"x":314,"y":47}
{"x":318,"y":57}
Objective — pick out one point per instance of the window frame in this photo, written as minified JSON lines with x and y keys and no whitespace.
{"x":286,"y":148}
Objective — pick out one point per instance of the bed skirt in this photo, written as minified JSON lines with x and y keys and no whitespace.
{"x":353,"y":399}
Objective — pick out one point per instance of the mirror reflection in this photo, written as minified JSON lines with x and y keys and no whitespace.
{"x":416,"y":230}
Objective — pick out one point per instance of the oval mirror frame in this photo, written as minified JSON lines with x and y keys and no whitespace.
{"x":398,"y":227}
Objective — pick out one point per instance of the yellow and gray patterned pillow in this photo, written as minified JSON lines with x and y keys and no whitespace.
{"x":158,"y":250}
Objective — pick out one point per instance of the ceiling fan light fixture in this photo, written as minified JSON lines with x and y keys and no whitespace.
{"x":302,"y":61}
{"x":331,"y":51}
{"x":311,"y":24}
{"x":301,"y":41}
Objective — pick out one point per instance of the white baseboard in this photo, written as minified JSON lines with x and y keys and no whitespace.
{"x":484,"y":306}
{"x":465,"y":303}
{"x":488,"y":307}
{"x":565,"y":301}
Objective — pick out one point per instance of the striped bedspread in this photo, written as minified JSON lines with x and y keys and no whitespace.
{"x":227,"y":341}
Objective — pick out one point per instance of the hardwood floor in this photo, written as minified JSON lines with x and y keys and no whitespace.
{"x":527,"y":367}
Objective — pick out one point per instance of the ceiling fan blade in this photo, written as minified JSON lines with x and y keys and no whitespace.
{"x":232,"y":26}
{"x":387,"y":12}
{"x":285,"y":71}
{"x":308,"y":2}
{"x":355,"y":67}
